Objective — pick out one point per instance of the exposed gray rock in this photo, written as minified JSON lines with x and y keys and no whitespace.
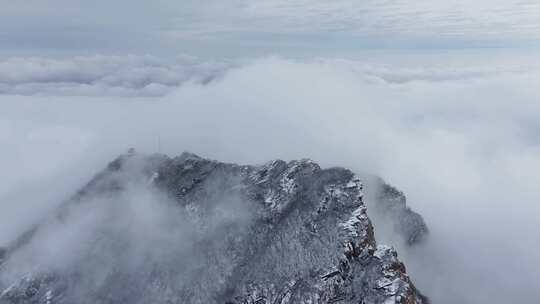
{"x":391,"y":205}
{"x":283,"y":232}
{"x":2,"y":255}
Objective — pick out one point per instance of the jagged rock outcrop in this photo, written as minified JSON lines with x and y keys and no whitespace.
{"x":391,"y":205}
{"x":2,"y":255}
{"x":283,"y":232}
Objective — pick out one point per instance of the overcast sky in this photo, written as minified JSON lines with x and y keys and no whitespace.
{"x":233,"y":27}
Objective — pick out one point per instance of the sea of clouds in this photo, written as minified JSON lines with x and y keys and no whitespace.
{"x":461,"y":140}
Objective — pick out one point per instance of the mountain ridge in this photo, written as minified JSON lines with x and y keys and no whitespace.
{"x":297,"y":233}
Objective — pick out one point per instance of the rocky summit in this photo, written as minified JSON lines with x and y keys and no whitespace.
{"x":155,"y":229}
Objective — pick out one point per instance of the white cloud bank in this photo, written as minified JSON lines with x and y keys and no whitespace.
{"x":103,"y":75}
{"x":139,"y":76}
{"x":465,"y":151}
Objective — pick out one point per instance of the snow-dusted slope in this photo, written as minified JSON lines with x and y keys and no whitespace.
{"x":154,"y":229}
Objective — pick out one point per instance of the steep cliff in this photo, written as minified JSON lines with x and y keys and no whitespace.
{"x":389,"y":206}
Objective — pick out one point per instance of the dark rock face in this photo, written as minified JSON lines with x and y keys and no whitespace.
{"x":392,"y":205}
{"x":277,"y":233}
{"x":2,"y":255}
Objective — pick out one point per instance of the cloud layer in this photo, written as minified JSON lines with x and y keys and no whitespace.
{"x":479,"y":20}
{"x":140,"y":76}
{"x":103,"y":75}
{"x":271,"y":25}
{"x":465,"y":151}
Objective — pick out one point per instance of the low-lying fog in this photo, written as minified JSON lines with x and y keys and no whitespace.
{"x":462,"y":142}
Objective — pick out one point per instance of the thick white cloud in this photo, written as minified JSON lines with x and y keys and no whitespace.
{"x":465,"y":151}
{"x":459,"y":134}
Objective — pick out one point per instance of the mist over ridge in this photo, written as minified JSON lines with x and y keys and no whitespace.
{"x":324,"y":132}
{"x":462,"y":151}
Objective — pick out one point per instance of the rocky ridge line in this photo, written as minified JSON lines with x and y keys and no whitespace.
{"x":310,"y":240}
